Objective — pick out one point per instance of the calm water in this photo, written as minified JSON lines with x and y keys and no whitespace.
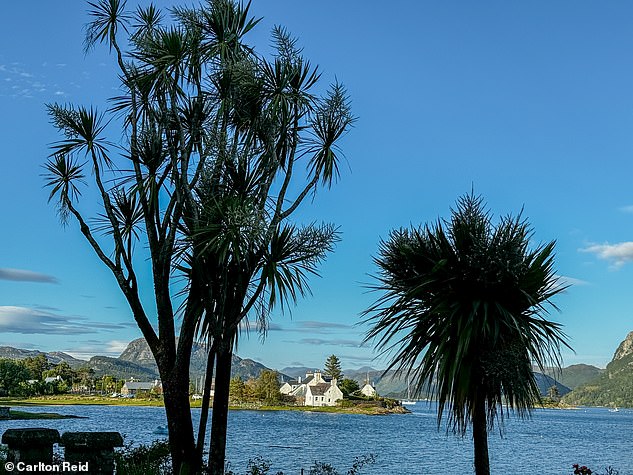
{"x":549,"y":443}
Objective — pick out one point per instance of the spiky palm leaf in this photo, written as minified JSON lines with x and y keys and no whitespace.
{"x":463,"y":311}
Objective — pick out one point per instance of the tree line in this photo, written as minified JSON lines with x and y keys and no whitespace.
{"x":26,"y":377}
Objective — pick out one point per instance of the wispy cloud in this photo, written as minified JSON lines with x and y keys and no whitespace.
{"x":247,"y":325}
{"x":570,"y":281}
{"x":19,"y":82}
{"x":36,"y":321}
{"x":627,"y":209}
{"x":86,"y":349}
{"x":21,"y":275}
{"x":617,"y":254}
{"x":320,"y":328}
{"x":332,"y":342}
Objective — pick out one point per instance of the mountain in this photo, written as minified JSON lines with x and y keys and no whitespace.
{"x":121,"y":369}
{"x":137,"y":362}
{"x":54,"y":357}
{"x":138,"y":353}
{"x":614,"y":386}
{"x":300,"y":371}
{"x":575,"y":375}
{"x":545,"y":382}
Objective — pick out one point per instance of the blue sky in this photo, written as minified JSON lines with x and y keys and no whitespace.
{"x":529,"y":102}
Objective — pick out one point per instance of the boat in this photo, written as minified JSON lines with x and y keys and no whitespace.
{"x":613,"y":409}
{"x":408,"y":401}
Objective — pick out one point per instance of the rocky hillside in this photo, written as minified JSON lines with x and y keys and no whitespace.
{"x":614,"y":386}
{"x":137,"y":362}
{"x":138,"y":353}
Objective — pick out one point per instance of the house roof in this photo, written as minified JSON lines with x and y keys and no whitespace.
{"x":319,"y":389}
{"x":139,"y":385}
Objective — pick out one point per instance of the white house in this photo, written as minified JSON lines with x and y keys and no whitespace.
{"x":368,"y":390}
{"x":323,"y":394}
{"x":315,"y":390}
{"x":289,"y":386}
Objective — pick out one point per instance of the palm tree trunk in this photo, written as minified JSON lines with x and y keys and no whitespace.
{"x":480,"y":437}
{"x":220,"y":414}
{"x":206,"y":397}
{"x":179,"y":423}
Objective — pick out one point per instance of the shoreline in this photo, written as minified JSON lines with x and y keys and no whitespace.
{"x":107,"y":401}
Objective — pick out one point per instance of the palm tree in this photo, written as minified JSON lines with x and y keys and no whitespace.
{"x":463,"y":313}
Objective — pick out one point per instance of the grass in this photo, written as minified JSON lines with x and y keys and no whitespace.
{"x":75,"y":399}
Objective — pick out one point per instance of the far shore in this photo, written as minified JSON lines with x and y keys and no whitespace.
{"x":72,"y":399}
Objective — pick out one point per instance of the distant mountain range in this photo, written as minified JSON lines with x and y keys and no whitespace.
{"x":580,"y":384}
{"x":393,"y":385}
{"x":137,"y":362}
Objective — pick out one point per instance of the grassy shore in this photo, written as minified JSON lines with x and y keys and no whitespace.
{"x":73,"y":399}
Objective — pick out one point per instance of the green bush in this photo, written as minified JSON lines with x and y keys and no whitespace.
{"x":153,"y":459}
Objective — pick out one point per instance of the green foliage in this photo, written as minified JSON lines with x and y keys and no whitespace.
{"x":13,"y":378}
{"x":267,"y":387}
{"x":348,"y":386}
{"x":36,"y":365}
{"x":153,"y":459}
{"x":613,"y":387}
{"x":238,"y":391}
{"x":64,"y":371}
{"x":464,"y":303}
{"x":575,"y":375}
{"x":261,"y":466}
{"x":333,"y":367}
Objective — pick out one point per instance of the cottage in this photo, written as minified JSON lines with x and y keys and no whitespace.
{"x":315,"y":390}
{"x":289,"y":386}
{"x":134,"y":388}
{"x":323,"y":394}
{"x":368,"y":390}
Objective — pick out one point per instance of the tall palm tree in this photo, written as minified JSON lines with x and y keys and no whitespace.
{"x":463,"y":314}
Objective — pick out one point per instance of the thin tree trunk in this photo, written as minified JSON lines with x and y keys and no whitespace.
{"x":179,"y":424}
{"x":206,"y":398}
{"x":480,"y":438}
{"x":219,"y":417}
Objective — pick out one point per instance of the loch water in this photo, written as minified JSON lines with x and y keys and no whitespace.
{"x":546,"y":444}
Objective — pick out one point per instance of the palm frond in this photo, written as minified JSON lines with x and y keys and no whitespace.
{"x":463,"y":310}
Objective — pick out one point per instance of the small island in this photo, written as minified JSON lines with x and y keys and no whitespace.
{"x":6,"y":413}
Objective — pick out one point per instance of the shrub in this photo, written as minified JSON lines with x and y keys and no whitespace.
{"x":153,"y":459}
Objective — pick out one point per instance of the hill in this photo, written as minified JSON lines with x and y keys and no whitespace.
{"x":137,"y":362}
{"x":614,"y":386}
{"x":575,"y":375}
{"x":138,"y":353}
{"x":54,"y":357}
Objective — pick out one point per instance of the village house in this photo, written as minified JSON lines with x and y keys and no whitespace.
{"x":289,"y":386}
{"x":368,"y":390}
{"x":134,"y":388}
{"x":315,"y":390}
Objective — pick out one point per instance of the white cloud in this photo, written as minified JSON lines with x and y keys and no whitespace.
{"x":618,"y":254}
{"x":36,"y":321}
